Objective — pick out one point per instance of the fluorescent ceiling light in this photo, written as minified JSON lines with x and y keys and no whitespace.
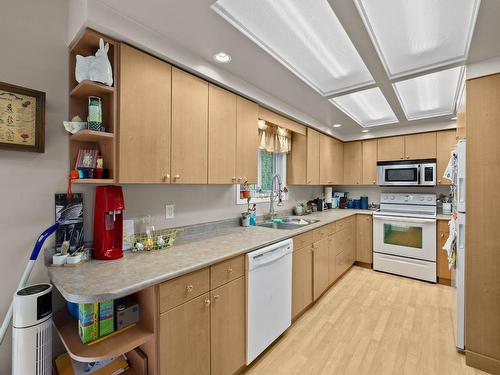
{"x":430,"y":95}
{"x":305,"y":36}
{"x":367,"y":107}
{"x":222,"y":57}
{"x":417,"y":35}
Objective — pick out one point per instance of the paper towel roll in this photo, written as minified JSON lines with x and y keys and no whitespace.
{"x":328,"y":194}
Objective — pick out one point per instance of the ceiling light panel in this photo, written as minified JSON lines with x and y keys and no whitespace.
{"x":416,"y":35}
{"x":430,"y":95}
{"x":305,"y":36}
{"x":367,"y":107}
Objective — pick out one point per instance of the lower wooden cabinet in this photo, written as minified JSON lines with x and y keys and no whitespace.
{"x":227,"y":328}
{"x":364,"y":239}
{"x":443,"y":272}
{"x":302,"y":280}
{"x":185,"y":338}
{"x":320,"y":267}
{"x":332,"y":249}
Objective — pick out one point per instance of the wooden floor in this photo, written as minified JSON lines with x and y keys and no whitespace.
{"x":371,"y":323}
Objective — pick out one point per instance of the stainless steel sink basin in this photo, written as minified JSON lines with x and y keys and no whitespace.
{"x":287,"y":223}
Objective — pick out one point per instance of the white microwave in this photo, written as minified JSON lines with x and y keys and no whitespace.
{"x":407,"y":173}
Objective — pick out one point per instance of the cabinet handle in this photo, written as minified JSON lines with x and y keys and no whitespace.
{"x":177,"y":176}
{"x":207,"y":302}
{"x":373,"y":182}
{"x":189,"y":288}
{"x":239,"y":179}
{"x":216,"y":297}
{"x":407,"y":157}
{"x":229,"y":270}
{"x":166,"y":176}
{"x":442,"y":235}
{"x":309,"y":181}
{"x":234,"y":179}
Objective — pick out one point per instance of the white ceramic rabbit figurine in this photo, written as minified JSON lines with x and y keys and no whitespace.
{"x":96,"y":68}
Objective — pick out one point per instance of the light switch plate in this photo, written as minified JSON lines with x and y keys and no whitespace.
{"x":169,"y":211}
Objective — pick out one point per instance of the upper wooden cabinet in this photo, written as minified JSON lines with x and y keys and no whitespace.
{"x":353,"y":163}
{"x":247,"y":140}
{"x":445,"y":143}
{"x":461,"y":126}
{"x":369,"y":153}
{"x":391,"y":148}
{"x":221,"y":136}
{"x":408,"y":147}
{"x":313,"y":164}
{"x":420,"y":146}
{"x":338,"y":161}
{"x":331,"y":161}
{"x":145,"y":113}
{"x":297,"y":161}
{"x":189,"y":128}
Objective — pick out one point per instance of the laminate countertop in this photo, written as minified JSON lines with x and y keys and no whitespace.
{"x":97,"y":280}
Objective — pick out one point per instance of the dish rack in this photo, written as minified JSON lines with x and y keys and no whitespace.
{"x":160,"y":240}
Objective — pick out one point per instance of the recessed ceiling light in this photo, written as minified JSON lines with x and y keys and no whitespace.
{"x":337,"y":125}
{"x":364,"y":131}
{"x":412,"y":36}
{"x":305,"y":36}
{"x":222,"y":57}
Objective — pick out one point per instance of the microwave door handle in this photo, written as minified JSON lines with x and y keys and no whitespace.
{"x":419,"y":174}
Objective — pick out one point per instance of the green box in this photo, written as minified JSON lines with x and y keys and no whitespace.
{"x":106,"y":318}
{"x":88,"y":314}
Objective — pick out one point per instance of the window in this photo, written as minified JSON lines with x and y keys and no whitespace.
{"x":269,"y":164}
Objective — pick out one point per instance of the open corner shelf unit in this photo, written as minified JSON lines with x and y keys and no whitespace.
{"x":87,"y":44}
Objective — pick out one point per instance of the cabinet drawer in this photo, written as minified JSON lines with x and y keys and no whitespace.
{"x":226,"y":271}
{"x":321,"y":233}
{"x":177,"y":291}
{"x":302,"y":240}
{"x":347,"y":223}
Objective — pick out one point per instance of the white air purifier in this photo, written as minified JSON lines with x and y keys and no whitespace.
{"x":32,"y":330}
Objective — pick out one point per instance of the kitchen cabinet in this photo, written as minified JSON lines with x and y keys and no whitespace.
{"x":247,"y":140}
{"x":189,"y":128}
{"x":391,"y":148}
{"x":369,"y":169}
{"x":145,"y":118}
{"x":332,"y":253}
{"x":297,"y":161}
{"x":185,"y":338}
{"x":312,"y":157}
{"x":227,"y":328}
{"x":364,"y":239}
{"x":353,"y":163}
{"x":338,"y":161}
{"x":461,"y":125}
{"x":302,"y":279}
{"x":331,"y":161}
{"x":443,"y":272}
{"x":420,"y":146}
{"x":221,"y":136}
{"x":320,"y":267}
{"x":445,"y":143}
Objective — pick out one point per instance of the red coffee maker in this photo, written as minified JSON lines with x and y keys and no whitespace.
{"x":108,"y":222}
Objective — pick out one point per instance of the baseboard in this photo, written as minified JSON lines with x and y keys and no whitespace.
{"x":482,"y":362}
{"x":364,"y":265}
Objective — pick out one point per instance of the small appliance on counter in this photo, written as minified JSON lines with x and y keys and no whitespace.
{"x":108,"y":223}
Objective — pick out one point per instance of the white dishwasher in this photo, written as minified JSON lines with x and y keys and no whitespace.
{"x":269,"y":296}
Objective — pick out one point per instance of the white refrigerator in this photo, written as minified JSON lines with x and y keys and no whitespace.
{"x":460,"y":260}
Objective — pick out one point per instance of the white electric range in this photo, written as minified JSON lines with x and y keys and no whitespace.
{"x":404,"y":235}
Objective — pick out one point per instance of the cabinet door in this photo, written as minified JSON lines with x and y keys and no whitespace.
{"x":320,"y":267}
{"x":391,"y":148}
{"x":364,"y":240}
{"x":312,"y":158}
{"x":445,"y":143}
{"x":369,"y":154}
{"x":325,"y":160}
{"x":332,"y":242}
{"x":420,"y":146}
{"x":221,"y":136}
{"x":302,"y":280}
{"x":247,"y":139}
{"x":353,"y":163}
{"x":297,"y":161}
{"x":145,"y":113}
{"x":185,"y":338}
{"x":227,"y":327}
{"x":189,"y":128}
{"x":443,"y":272}
{"x":461,"y":126}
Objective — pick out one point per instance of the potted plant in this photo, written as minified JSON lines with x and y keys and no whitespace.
{"x":244,"y":190}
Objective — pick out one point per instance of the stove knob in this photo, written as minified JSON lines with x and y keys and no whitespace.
{"x":392,"y":197}
{"x":385,"y":197}
{"x":422,"y":198}
{"x":429,"y":199}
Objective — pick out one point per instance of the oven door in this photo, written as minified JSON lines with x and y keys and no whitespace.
{"x":405,"y":236}
{"x":399,"y":175}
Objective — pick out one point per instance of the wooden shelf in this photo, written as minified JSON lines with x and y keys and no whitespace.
{"x":97,"y":181}
{"x":123,"y":342}
{"x":86,"y":135}
{"x":90,"y":88}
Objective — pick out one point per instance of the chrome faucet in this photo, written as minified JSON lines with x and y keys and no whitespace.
{"x":272,"y":212}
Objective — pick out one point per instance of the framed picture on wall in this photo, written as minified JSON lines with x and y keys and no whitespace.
{"x":22,"y":118}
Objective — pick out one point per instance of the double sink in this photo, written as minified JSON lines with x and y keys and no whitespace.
{"x":287,"y":223}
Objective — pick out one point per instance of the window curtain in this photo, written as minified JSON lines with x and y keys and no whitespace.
{"x":273,"y":138}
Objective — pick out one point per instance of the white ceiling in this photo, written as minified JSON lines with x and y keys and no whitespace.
{"x":194,"y":26}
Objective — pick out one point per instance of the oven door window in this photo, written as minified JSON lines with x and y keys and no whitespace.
{"x":403,"y":175}
{"x":403,"y":235}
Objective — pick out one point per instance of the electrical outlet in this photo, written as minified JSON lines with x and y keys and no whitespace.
{"x":169,"y":211}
